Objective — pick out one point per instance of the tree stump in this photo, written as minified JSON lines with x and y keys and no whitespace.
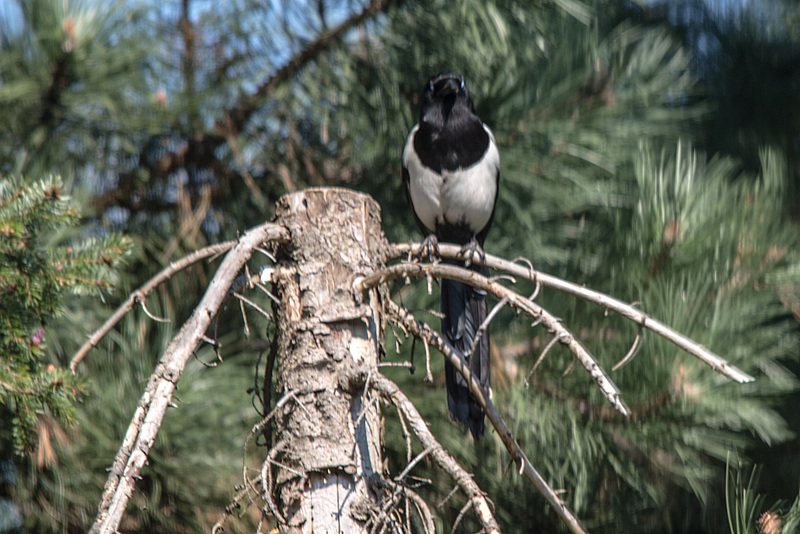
{"x":329,"y":445}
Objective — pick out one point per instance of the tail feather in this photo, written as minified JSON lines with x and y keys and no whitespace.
{"x":464,"y":309}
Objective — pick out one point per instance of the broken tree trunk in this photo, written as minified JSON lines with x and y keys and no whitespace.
{"x":329,"y":443}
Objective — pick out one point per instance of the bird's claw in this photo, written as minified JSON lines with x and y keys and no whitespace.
{"x":470,"y":250}
{"x":429,"y":247}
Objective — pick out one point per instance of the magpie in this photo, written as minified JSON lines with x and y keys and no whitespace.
{"x":451,"y":171}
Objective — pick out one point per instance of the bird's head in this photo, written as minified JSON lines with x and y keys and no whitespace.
{"x":441,"y":95}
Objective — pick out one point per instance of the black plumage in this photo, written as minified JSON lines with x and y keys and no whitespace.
{"x":451,"y":170}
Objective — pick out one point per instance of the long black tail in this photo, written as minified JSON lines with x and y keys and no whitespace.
{"x":464,"y":310}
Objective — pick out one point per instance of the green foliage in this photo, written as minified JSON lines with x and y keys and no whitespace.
{"x":791,"y":521}
{"x":742,"y":503}
{"x":711,"y":255}
{"x":67,"y":90}
{"x":35,"y":276}
{"x":196,"y":460}
{"x":178,"y":137}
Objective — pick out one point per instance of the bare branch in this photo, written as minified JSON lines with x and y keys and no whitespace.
{"x":153,"y":317}
{"x":392,"y":393}
{"x":266,"y":481}
{"x":631,"y":353}
{"x":140,"y":295}
{"x":499,"y":264}
{"x":484,"y":325}
{"x":565,"y":337}
{"x":411,"y":464}
{"x":460,"y":516}
{"x":157,"y":396}
{"x":424,"y":331}
{"x":253,"y":305}
{"x":422,"y":509}
{"x":540,"y":359}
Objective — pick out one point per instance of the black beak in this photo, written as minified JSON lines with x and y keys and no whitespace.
{"x":452,"y":87}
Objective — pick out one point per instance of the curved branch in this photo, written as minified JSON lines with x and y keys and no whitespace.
{"x":392,"y":393}
{"x":235,"y":119}
{"x":425,"y":332}
{"x":149,"y":414}
{"x":140,"y":295}
{"x":564,"y":336}
{"x":629,"y":312}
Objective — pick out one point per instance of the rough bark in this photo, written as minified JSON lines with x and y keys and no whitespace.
{"x":329,"y":442}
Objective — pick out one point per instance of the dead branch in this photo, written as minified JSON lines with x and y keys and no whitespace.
{"x":392,"y":394}
{"x":157,"y":396}
{"x":422,"y":510}
{"x":514,"y":299}
{"x":422,"y":330}
{"x":495,"y":263}
{"x":140,"y":296}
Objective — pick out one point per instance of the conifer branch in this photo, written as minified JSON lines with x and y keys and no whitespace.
{"x":236,"y":118}
{"x":716,"y":362}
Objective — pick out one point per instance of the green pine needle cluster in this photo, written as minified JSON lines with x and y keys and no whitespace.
{"x":707,"y":251}
{"x":36,"y":274}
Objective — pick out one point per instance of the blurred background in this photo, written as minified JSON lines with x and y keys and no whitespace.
{"x":649,"y":150}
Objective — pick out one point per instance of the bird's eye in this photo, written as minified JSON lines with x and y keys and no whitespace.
{"x":430,"y":87}
{"x":462,"y":83}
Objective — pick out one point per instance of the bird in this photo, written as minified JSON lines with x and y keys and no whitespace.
{"x":451,"y":174}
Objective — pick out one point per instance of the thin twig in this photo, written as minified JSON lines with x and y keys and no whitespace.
{"x":140,"y":295}
{"x":422,"y":509}
{"x":153,"y":317}
{"x":396,"y":364}
{"x":392,"y":393}
{"x":637,"y":316}
{"x":406,"y":435}
{"x":428,"y":375}
{"x":267,"y":253}
{"x":244,"y":320}
{"x":631,"y":353}
{"x":219,"y":526}
{"x":411,"y":464}
{"x":460,"y":516}
{"x":536,"y":291}
{"x":418,"y":328}
{"x":147,"y":419}
{"x":447,"y":498}
{"x":266,"y":482}
{"x":541,"y":358}
{"x":484,"y":325}
{"x":263,"y":288}
{"x":479,"y":281}
{"x":253,"y":305}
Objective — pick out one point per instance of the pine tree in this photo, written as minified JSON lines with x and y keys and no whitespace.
{"x":36,"y":272}
{"x":182,"y":123}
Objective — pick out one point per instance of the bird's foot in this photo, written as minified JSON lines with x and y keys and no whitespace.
{"x":429,"y":247}
{"x":470,"y":250}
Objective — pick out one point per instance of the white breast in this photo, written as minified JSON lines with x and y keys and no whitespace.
{"x":461,"y":196}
